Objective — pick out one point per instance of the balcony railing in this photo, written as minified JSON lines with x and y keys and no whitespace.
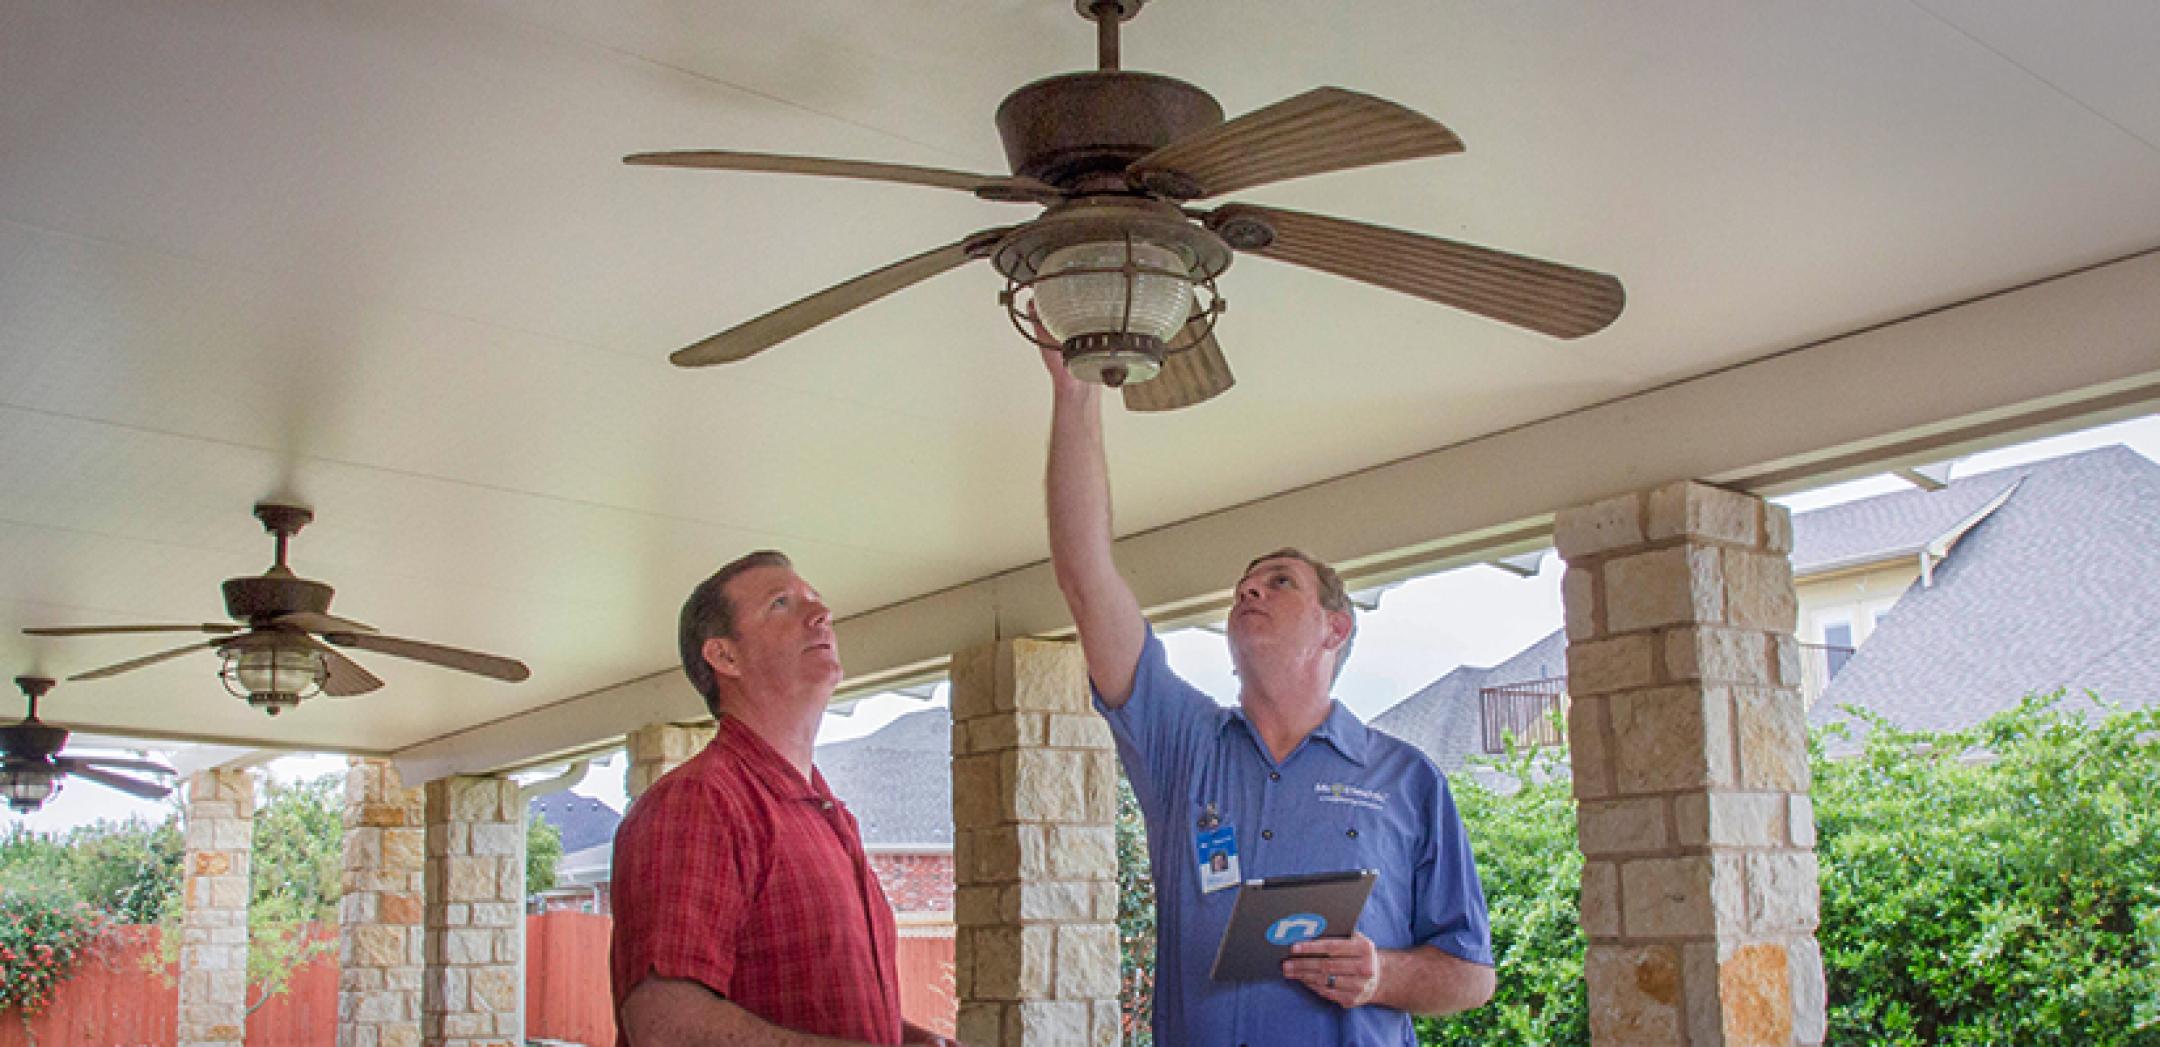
{"x":1818,"y":663}
{"x":1525,"y":710}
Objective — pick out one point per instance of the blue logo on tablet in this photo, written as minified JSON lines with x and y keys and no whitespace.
{"x":1295,"y":928}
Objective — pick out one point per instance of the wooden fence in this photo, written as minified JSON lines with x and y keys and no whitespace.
{"x":127,"y":996}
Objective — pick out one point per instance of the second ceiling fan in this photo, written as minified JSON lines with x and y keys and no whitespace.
{"x":1120,"y":272}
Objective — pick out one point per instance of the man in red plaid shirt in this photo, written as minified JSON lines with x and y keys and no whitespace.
{"x":745,"y":910}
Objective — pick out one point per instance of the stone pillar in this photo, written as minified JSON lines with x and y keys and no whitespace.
{"x":214,"y":931}
{"x":1689,"y":741}
{"x":475,"y":913}
{"x":655,"y":749}
{"x":1035,"y":849}
{"x":380,"y":913}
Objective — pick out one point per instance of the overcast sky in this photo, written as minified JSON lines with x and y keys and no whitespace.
{"x":1421,"y":630}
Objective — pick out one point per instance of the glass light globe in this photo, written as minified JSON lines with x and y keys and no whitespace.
{"x":278,"y":670}
{"x":1076,"y":303}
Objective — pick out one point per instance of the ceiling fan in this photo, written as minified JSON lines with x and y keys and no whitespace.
{"x":31,"y":764}
{"x":1120,"y":272}
{"x":275,"y":660}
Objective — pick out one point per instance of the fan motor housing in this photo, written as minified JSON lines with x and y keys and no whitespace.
{"x":32,"y":742}
{"x":1064,"y":128}
{"x":267,"y":596}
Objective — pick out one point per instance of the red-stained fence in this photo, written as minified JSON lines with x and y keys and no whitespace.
{"x":121,"y":998}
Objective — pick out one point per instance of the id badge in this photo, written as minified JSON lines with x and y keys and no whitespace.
{"x":1217,"y":849}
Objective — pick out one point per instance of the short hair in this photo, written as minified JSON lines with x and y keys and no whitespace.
{"x":708,"y":614}
{"x":1332,"y":594}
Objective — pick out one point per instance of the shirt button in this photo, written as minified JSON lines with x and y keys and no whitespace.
{"x":1274,"y":776}
{"x":1267,"y":834}
{"x":1353,"y":834}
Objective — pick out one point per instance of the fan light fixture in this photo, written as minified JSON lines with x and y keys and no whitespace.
{"x":26,"y":788}
{"x":272,"y":678}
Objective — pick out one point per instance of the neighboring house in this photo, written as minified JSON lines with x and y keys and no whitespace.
{"x":1933,"y":608}
{"x":897,"y":782}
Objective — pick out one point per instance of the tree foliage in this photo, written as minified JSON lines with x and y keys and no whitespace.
{"x":130,"y":871}
{"x":543,"y":849}
{"x":1135,"y":920}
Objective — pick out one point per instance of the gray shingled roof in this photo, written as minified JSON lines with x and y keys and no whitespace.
{"x":1874,"y":529}
{"x":2059,"y":588}
{"x":897,"y":781}
{"x":1443,"y":717}
{"x":583,"y":821}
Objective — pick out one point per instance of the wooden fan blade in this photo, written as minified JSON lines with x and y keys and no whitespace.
{"x":1546,"y":297}
{"x":214,"y":628}
{"x":1325,"y":129}
{"x":146,"y":660}
{"x":343,"y":677}
{"x":1189,"y":376}
{"x":749,"y":339}
{"x":146,"y":790}
{"x":313,"y":622}
{"x":994,"y":187}
{"x":435,"y":654}
{"x":113,"y":763}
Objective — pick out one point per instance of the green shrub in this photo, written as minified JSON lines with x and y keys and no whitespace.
{"x":44,"y":936}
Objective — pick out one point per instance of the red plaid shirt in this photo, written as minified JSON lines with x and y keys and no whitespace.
{"x":733,"y":872}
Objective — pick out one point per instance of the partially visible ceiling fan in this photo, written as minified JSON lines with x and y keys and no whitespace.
{"x":275,"y":659}
{"x":1121,"y":272}
{"x":31,"y":763}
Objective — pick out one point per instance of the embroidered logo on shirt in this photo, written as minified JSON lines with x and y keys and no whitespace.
{"x":1343,"y":792}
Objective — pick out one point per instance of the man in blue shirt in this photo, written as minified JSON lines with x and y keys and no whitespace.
{"x":1288,"y":782}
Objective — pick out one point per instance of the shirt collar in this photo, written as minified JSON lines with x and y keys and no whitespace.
{"x":767,"y":765}
{"x":1341,"y":729}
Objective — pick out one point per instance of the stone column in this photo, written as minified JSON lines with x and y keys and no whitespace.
{"x":214,"y":931}
{"x":1035,"y":849}
{"x":475,"y":874}
{"x":380,"y":913}
{"x":1689,"y":747}
{"x":655,"y":749}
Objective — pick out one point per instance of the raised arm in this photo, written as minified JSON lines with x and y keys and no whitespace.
{"x":1077,"y":495}
{"x":669,"y":1012}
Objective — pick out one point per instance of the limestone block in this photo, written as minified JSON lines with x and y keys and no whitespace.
{"x":1048,"y":785}
{"x":1603,"y":666}
{"x":963,"y":740}
{"x":397,"y":1036}
{"x":1007,"y":853}
{"x":467,"y":1024}
{"x":1048,"y":1023}
{"x":1628,"y":826}
{"x":977,"y":906}
{"x":210,"y":863}
{"x":446,"y":989}
{"x":445,"y":838}
{"x":509,"y":945}
{"x":385,"y":815}
{"x":495,"y":989}
{"x":1634,"y":995}
{"x":212,"y":810}
{"x":497,"y":914}
{"x":1614,"y":523}
{"x":236,"y":834}
{"x":1810,"y":995}
{"x":1759,"y":591}
{"x":466,"y":947}
{"x":350,"y":1035}
{"x":977,"y":791}
{"x":1106,"y":1024}
{"x":1083,"y":852}
{"x":1049,"y":900}
{"x":228,"y":892}
{"x":1106,"y":900}
{"x":1751,"y":1002}
{"x":376,"y":1007}
{"x":497,"y":838}
{"x":974,"y":676}
{"x":403,"y":850}
{"x":376,"y":945}
{"x":1800,"y":821}
{"x":1671,"y":897}
{"x":357,"y":907}
{"x":1786,"y":650}
{"x":509,"y":879}
{"x":1578,"y":594}
{"x":1722,"y":819}
{"x":470,"y":879}
{"x":398,"y":908}
{"x":1013,"y":963}
{"x":1671,"y":738}
{"x":1697,"y":510}
{"x":1777,"y":529}
{"x":1087,"y":961}
{"x":1783,"y":892}
{"x":1718,"y":655}
{"x":1589,"y":752}
{"x":360,"y":979}
{"x":1663,"y":587}
{"x":1601,"y":899}
{"x":980,"y":1023}
{"x":1049,"y":676}
{"x":1773,"y":739}
{"x":1102,"y":787}
{"x":1079,"y":731}
{"x":1009,"y":731}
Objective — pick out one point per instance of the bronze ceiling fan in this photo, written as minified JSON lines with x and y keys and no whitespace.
{"x":1121,"y":271}
{"x":31,"y":763}
{"x":275,"y":660}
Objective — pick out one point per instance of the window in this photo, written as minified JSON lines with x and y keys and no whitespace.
{"x":1837,"y":645}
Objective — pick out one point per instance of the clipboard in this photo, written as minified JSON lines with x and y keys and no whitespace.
{"x":1273,"y":914}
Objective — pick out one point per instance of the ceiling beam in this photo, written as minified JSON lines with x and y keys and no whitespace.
{"x":2058,"y":354}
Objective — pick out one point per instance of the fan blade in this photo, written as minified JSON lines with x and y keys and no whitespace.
{"x":344,"y":677}
{"x":994,"y":187}
{"x":112,"y":763}
{"x":1325,"y":129}
{"x":146,"y":660}
{"x":313,"y":622}
{"x":1546,"y":297}
{"x":146,"y":790}
{"x":1189,"y":376}
{"x":435,"y":654}
{"x":749,"y":339}
{"x":213,"y":628}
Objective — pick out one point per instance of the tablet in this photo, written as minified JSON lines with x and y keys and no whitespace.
{"x":1274,"y":914}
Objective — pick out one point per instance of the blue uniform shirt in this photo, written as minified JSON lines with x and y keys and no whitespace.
{"x":1345,"y":798}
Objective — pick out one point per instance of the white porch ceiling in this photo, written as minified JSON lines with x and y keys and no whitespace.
{"x":384,"y":258}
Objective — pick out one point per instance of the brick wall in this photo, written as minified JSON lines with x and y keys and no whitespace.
{"x":916,"y":882}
